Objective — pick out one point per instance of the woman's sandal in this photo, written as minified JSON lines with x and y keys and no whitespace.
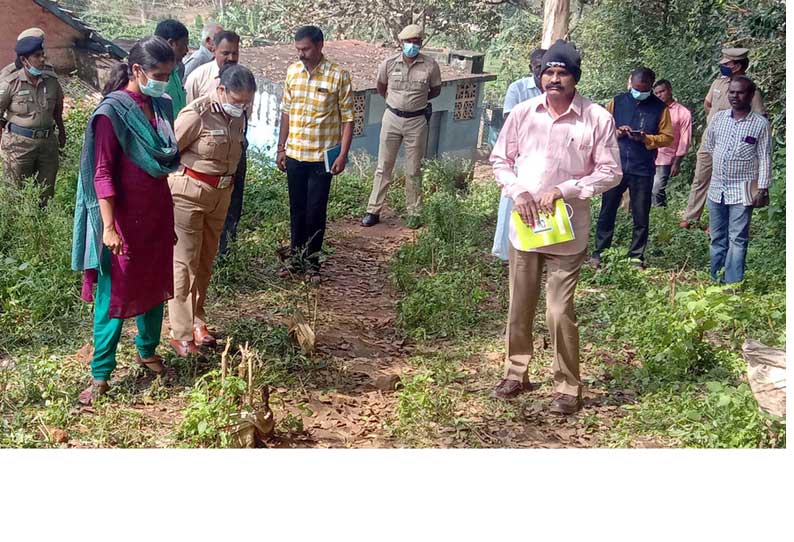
{"x":93,"y":392}
{"x":155,"y":364}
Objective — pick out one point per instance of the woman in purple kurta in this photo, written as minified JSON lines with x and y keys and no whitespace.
{"x":133,"y":131}
{"x":142,"y":277}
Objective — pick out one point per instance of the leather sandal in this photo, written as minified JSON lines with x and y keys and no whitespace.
{"x":155,"y":364}
{"x":97,"y":389}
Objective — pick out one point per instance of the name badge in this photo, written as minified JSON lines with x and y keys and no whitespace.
{"x":216,"y":132}
{"x":24,"y":92}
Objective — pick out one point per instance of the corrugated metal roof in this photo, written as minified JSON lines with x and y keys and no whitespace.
{"x":91,"y":39}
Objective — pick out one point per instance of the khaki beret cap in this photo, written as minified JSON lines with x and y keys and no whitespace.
{"x":31,"y":33}
{"x":410,"y":31}
{"x":733,"y":54}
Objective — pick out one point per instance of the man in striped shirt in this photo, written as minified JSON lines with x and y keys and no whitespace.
{"x":739,"y":142}
{"x":316,"y":116}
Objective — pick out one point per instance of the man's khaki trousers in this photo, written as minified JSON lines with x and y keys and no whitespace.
{"x":394,"y":132}
{"x":199,"y":214}
{"x":562,"y":273}
{"x":700,"y":186}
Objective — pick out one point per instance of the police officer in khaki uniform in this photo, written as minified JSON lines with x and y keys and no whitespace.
{"x":407,"y":81}
{"x":210,"y":132}
{"x":734,"y":61}
{"x":30,"y":32}
{"x":31,"y":106}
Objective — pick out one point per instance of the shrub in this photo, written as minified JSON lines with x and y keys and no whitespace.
{"x":442,"y":305}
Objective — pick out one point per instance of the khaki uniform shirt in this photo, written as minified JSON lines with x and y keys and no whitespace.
{"x":202,"y":80}
{"x":408,"y":84}
{"x":27,"y":104}
{"x":209,"y":140}
{"x":718,"y":96}
{"x":11,"y":68}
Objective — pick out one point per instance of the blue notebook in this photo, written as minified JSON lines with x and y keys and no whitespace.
{"x":330,"y":156}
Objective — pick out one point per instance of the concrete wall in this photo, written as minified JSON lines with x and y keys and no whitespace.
{"x":59,"y":38}
{"x":458,"y":138}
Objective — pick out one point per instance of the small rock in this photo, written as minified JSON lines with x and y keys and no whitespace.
{"x":387,"y":382}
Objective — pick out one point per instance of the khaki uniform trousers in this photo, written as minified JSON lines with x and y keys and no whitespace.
{"x":394,"y":132}
{"x":25,"y":157}
{"x":199,"y":215}
{"x":562,"y":273}
{"x":700,"y":186}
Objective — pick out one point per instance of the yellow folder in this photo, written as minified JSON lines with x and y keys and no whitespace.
{"x":550,"y":229}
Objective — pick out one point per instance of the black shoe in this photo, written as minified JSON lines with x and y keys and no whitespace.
{"x":370,"y":220}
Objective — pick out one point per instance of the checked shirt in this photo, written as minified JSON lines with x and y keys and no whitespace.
{"x":317,"y":103}
{"x":742,"y":153}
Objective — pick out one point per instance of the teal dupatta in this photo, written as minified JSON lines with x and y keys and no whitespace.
{"x":153,"y":150}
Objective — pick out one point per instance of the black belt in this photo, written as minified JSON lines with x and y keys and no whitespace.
{"x":407,"y":114}
{"x":37,"y":133}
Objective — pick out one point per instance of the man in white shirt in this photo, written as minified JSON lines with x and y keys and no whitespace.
{"x":527,"y":87}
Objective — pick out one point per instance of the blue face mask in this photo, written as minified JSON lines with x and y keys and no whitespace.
{"x":35,"y":72}
{"x":726,"y":70}
{"x":410,"y":49}
{"x":153,"y":88}
{"x":637,"y":95}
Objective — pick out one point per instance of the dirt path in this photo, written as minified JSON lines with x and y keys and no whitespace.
{"x":346,"y":403}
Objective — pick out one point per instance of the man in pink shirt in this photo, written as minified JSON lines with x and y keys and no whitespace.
{"x":556,"y":145}
{"x":668,"y":159}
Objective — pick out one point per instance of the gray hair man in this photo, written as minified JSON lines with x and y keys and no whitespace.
{"x":205,"y":52}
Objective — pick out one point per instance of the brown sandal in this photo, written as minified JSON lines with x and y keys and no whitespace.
{"x":155,"y":364}
{"x":97,"y":389}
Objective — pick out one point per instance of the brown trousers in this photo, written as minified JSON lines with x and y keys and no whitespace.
{"x":562,"y":273}
{"x":396,"y":131}
{"x":700,"y":186}
{"x":199,"y":214}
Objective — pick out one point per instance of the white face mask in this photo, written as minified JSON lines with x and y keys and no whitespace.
{"x":232,"y":110}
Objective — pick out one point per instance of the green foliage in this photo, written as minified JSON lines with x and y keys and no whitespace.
{"x":713,"y":415}
{"x":442,"y":305}
{"x":39,"y":301}
{"x":508,"y":52}
{"x":442,"y":300}
{"x":427,"y":399}
{"x":212,"y":404}
{"x":671,"y":337}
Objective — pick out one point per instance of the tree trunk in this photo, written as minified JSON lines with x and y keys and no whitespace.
{"x":555,"y":21}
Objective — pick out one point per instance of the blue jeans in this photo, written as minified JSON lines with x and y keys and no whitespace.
{"x":660,"y":186}
{"x":730,"y":227}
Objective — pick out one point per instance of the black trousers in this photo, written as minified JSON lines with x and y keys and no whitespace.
{"x":640,"y":189}
{"x":309,"y":186}
{"x":229,"y":232}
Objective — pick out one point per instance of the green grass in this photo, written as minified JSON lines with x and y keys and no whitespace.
{"x":665,"y":333}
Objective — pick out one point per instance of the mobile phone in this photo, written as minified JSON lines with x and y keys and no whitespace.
{"x":635,"y":133}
